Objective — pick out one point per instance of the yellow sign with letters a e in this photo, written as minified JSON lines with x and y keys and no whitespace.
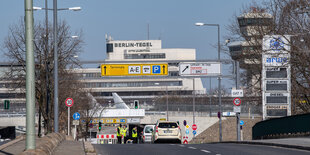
{"x":133,"y":69}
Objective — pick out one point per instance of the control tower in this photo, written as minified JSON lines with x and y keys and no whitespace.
{"x":253,"y":26}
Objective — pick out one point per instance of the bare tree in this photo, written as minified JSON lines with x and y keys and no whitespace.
{"x":15,"y":51}
{"x":289,"y":17}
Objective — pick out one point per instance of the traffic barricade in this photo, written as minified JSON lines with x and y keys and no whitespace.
{"x":106,"y":139}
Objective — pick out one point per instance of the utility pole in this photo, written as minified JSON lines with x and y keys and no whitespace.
{"x":30,"y":78}
{"x":55,"y":68}
{"x":167,"y":103}
{"x":46,"y":69}
{"x":237,"y":87}
{"x":194,"y":96}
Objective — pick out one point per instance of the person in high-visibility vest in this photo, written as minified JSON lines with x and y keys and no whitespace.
{"x":134,"y":135}
{"x":125,"y":133}
{"x":119,"y":134}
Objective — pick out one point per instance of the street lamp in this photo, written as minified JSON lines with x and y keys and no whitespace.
{"x":167,"y":103}
{"x":56,"y":128}
{"x":60,"y":9}
{"x":219,"y":77}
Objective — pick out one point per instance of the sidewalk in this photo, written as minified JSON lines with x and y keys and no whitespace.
{"x":70,"y":147}
{"x":302,"y":143}
{"x":17,"y":146}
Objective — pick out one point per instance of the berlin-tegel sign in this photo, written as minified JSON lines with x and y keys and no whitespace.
{"x":133,"y":69}
{"x":200,"y":69}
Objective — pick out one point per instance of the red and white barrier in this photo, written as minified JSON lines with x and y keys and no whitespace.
{"x":106,"y":138}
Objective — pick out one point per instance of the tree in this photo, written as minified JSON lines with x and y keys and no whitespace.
{"x":15,"y":51}
{"x":289,"y":17}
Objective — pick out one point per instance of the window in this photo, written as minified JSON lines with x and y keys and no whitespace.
{"x":148,"y":129}
{"x":167,"y":125}
{"x":145,"y":56}
{"x":109,"y":48}
{"x":132,"y":84}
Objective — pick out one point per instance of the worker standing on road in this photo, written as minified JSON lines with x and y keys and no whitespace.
{"x":119,"y":134}
{"x":125,"y":133}
{"x":134,"y":135}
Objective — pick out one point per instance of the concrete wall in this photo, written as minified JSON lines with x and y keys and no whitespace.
{"x":202,"y":122}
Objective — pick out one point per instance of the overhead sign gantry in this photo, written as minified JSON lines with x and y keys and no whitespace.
{"x":134,"y":69}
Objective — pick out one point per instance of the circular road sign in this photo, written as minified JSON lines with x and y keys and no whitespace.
{"x":76,"y":116}
{"x":237,"y":101}
{"x":184,"y":123}
{"x":187,"y":131}
{"x":69,"y":102}
{"x":194,"y":127}
{"x":241,"y":122}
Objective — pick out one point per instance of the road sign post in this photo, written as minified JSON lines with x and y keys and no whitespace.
{"x":241,"y":133}
{"x":237,"y":103}
{"x":76,"y":116}
{"x":69,"y":103}
{"x":194,"y":127}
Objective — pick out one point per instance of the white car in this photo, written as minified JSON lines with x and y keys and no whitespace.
{"x":167,"y":131}
{"x":147,"y":133}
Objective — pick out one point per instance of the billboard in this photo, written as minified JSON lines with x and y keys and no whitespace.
{"x":276,"y":76}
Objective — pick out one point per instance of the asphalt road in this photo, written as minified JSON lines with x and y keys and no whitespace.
{"x":194,"y":149}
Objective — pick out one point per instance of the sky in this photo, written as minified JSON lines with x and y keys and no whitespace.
{"x":172,"y":21}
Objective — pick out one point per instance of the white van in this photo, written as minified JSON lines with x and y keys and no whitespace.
{"x":147,"y":133}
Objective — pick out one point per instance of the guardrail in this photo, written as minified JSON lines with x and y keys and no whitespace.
{"x":291,"y":126}
{"x":12,"y":115}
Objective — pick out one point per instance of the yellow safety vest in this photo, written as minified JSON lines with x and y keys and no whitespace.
{"x":134,"y":134}
{"x":119,"y":131}
{"x":125,"y":132}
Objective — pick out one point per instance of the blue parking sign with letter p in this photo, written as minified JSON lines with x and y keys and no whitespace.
{"x":156,"y":69}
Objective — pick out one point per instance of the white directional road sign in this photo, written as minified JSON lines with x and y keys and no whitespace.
{"x":237,"y":109}
{"x":200,"y":69}
{"x":75,"y":122}
{"x":237,"y":93}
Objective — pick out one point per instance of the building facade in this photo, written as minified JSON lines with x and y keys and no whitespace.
{"x":144,"y":89}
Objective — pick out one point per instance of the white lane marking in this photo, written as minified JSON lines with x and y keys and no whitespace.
{"x":181,"y":145}
{"x":206,"y":151}
{"x":218,"y":154}
{"x":191,"y":148}
{"x":172,"y":144}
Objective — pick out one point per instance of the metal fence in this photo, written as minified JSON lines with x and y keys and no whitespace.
{"x":291,"y":126}
{"x":201,"y":110}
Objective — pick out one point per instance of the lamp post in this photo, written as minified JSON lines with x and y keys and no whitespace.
{"x":219,"y":77}
{"x":56,"y":128}
{"x":167,"y":103}
{"x":30,"y":78}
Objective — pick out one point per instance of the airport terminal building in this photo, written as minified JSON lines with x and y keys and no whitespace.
{"x":142,"y":88}
{"x":146,"y":89}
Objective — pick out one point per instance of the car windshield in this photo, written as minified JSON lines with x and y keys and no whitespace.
{"x":148,"y":129}
{"x":167,"y":125}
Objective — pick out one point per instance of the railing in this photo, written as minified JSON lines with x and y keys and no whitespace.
{"x":201,"y":110}
{"x":291,"y":126}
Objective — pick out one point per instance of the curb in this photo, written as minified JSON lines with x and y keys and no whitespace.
{"x":271,"y":144}
{"x":19,"y":138}
{"x":46,"y":145}
{"x":89,"y":148}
